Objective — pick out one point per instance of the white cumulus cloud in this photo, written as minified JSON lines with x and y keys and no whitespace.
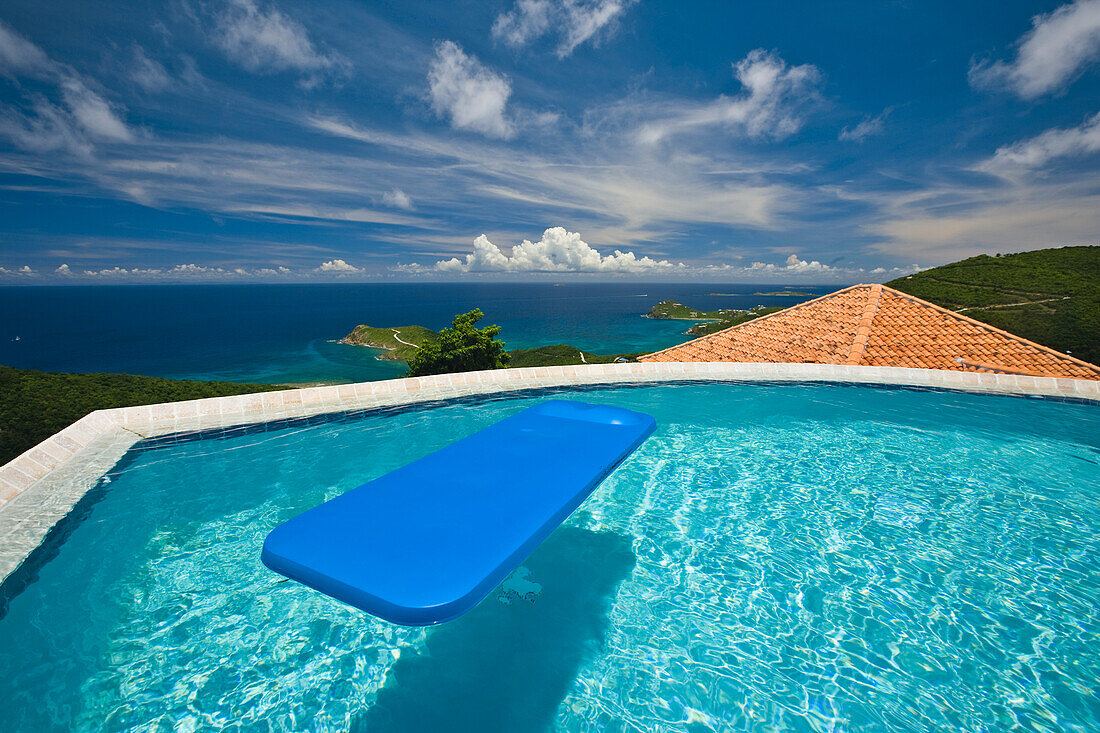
{"x":572,"y":22}
{"x":557,"y":251}
{"x":193,"y":269}
{"x":467,"y":92}
{"x":337,"y":266}
{"x":793,"y":264}
{"x":773,"y":105}
{"x":181,"y":272}
{"x":1059,"y":46}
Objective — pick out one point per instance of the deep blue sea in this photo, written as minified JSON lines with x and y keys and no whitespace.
{"x":288,"y":333}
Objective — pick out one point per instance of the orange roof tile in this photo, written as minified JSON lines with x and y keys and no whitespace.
{"x":873,"y":325}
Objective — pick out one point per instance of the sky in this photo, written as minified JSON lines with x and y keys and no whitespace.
{"x":264,"y":140}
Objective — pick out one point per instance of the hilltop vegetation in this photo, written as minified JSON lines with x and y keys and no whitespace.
{"x":1050,"y":296}
{"x":34,"y":405}
{"x":460,"y":348}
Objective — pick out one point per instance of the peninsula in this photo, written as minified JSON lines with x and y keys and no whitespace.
{"x":671,"y":310}
{"x":709,"y":321}
{"x":399,"y":343}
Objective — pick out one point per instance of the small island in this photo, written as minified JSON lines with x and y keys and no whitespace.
{"x":778,"y":293}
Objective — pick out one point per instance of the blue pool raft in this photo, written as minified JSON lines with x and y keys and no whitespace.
{"x":425,"y":543}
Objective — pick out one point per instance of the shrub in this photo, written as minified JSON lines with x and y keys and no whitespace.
{"x":460,"y":348}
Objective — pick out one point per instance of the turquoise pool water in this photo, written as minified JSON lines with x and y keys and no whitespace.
{"x":776,"y":557}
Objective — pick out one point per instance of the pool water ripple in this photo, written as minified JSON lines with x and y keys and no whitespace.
{"x":804,"y":558}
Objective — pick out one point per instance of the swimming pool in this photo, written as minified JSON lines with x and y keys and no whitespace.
{"x":807,"y":557}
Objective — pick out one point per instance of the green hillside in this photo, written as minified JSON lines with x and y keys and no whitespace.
{"x":1050,"y":296}
{"x":34,"y":405}
{"x":562,"y":355}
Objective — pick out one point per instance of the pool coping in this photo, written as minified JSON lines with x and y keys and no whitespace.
{"x":41,"y":486}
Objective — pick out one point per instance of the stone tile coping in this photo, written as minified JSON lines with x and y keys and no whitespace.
{"x":41,"y":486}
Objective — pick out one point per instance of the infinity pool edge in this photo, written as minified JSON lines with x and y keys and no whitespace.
{"x":42,"y":485}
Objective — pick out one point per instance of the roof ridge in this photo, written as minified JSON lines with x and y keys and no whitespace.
{"x":987,"y":327}
{"x":710,"y":336}
{"x":863,"y":330}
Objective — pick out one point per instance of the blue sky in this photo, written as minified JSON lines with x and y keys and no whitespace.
{"x":725,"y":141}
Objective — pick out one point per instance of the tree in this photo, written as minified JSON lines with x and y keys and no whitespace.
{"x":460,"y":348}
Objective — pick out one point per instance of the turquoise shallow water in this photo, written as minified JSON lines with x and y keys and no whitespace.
{"x":795,"y":557}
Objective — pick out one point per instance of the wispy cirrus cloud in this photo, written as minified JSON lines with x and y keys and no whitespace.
{"x":1045,"y":148}
{"x":867,"y":127}
{"x":94,"y":114}
{"x":147,"y":72}
{"x":773,"y":105}
{"x":398,"y":199}
{"x":570,"y":22}
{"x":602,"y":176}
{"x":74,"y":120}
{"x":1057,"y":49}
{"x":264,"y":40}
{"x":1016,"y":222}
{"x":19,"y":57}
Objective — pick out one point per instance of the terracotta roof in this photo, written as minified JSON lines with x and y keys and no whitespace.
{"x":874,"y":325}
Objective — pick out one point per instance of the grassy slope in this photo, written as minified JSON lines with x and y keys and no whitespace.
{"x":1050,"y":296}
{"x":385,"y":338}
{"x":561,"y":355}
{"x":35,"y":405}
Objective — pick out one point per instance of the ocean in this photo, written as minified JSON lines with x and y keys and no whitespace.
{"x":289,"y":333}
